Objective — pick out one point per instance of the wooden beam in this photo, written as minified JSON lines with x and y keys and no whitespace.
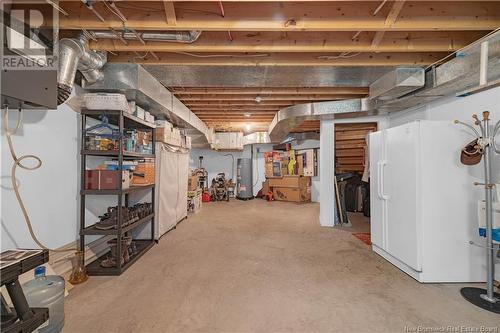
{"x":264,"y":98}
{"x":243,"y":112}
{"x":170,"y":12}
{"x":228,"y":104}
{"x":266,"y":42}
{"x":268,"y":91}
{"x":231,"y":117}
{"x":234,"y":109}
{"x":390,"y":20}
{"x":377,"y":39}
{"x":286,"y":59}
{"x":277,"y":16}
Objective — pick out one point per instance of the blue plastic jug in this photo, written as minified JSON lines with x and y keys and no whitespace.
{"x":47,"y":292}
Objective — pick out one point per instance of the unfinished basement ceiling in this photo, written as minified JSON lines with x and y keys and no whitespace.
{"x":254,"y":58}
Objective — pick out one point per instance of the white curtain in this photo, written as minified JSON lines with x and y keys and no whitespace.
{"x":172,"y":169}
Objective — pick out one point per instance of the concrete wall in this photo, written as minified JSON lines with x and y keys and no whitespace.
{"x":51,"y":192}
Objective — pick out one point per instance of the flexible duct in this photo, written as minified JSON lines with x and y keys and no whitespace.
{"x":74,"y":54}
{"x":173,"y":36}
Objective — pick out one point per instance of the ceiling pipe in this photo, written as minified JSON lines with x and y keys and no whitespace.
{"x":169,"y":36}
{"x":74,"y":54}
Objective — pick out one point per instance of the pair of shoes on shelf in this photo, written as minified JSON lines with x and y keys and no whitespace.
{"x":143,"y":209}
{"x":110,"y":219}
{"x":126,"y":251}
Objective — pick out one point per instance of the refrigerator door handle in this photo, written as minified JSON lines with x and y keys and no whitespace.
{"x":379,"y":176}
{"x":383,"y":196}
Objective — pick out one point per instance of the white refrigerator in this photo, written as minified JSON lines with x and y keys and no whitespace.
{"x":424,"y":202}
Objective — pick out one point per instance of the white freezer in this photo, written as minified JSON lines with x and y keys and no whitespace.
{"x":424,"y":203}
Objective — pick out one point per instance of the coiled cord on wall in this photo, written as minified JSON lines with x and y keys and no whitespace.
{"x":18,"y":163}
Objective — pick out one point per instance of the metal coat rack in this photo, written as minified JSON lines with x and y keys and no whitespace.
{"x":485,"y":298}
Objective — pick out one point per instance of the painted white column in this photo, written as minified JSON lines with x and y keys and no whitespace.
{"x":326,"y":173}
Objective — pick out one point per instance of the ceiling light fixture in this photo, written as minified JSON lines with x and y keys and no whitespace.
{"x":258,"y":99}
{"x":248,"y":127}
{"x":248,"y":115}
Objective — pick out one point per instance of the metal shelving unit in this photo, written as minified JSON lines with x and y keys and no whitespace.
{"x":123,"y":121}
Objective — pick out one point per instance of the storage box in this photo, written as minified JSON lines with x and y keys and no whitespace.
{"x":139,"y":112}
{"x":105,"y":101}
{"x":106,"y":179}
{"x":290,"y":181}
{"x":268,"y":170}
{"x":143,"y":138}
{"x":144,"y":173}
{"x":163,"y":123}
{"x":164,"y":134}
{"x":192,"y":183}
{"x":265,"y":187}
{"x":292,"y":194}
{"x":309,"y":162}
{"x":299,"y":166}
{"x":149,"y":117}
{"x":194,"y":203}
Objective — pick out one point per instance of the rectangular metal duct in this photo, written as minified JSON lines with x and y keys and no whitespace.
{"x":397,"y":83}
{"x":138,"y":85}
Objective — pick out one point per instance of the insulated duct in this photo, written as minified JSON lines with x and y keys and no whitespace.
{"x":473,"y":69}
{"x":169,"y":36}
{"x":74,"y":54}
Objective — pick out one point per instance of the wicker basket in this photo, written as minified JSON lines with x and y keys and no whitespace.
{"x":146,"y":168}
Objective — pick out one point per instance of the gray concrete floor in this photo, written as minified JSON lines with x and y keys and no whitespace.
{"x":254,"y":266}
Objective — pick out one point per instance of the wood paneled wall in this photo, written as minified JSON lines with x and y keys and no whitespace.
{"x":350,"y":146}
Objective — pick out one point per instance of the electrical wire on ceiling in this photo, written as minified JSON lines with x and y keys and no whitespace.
{"x":375,"y":12}
{"x":113,"y":9}
{"x":89,"y":34}
{"x":257,"y":55}
{"x":57,"y":7}
{"x":138,"y":56}
{"x":343,"y":55}
{"x":18,"y":162}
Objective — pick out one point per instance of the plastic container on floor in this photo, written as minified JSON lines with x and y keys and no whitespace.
{"x":47,"y":292}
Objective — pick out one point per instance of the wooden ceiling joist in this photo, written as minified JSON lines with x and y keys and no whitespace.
{"x":268,"y":91}
{"x":229,"y":104}
{"x":233,"y":110}
{"x":303,"y":42}
{"x":264,"y":98}
{"x":390,"y":20}
{"x":281,"y":33}
{"x":169,"y":12}
{"x":300,"y":16}
{"x":283,"y":59}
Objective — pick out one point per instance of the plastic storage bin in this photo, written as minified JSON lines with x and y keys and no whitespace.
{"x":47,"y":292}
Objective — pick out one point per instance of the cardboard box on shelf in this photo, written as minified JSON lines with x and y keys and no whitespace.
{"x":192,"y":183}
{"x":143,"y":138}
{"x":290,"y":181}
{"x":144,"y":173}
{"x":139,"y":112}
{"x":163,"y":134}
{"x":292,"y":194}
{"x":106,"y":179}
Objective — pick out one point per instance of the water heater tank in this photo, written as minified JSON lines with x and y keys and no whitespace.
{"x":244,"y":185}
